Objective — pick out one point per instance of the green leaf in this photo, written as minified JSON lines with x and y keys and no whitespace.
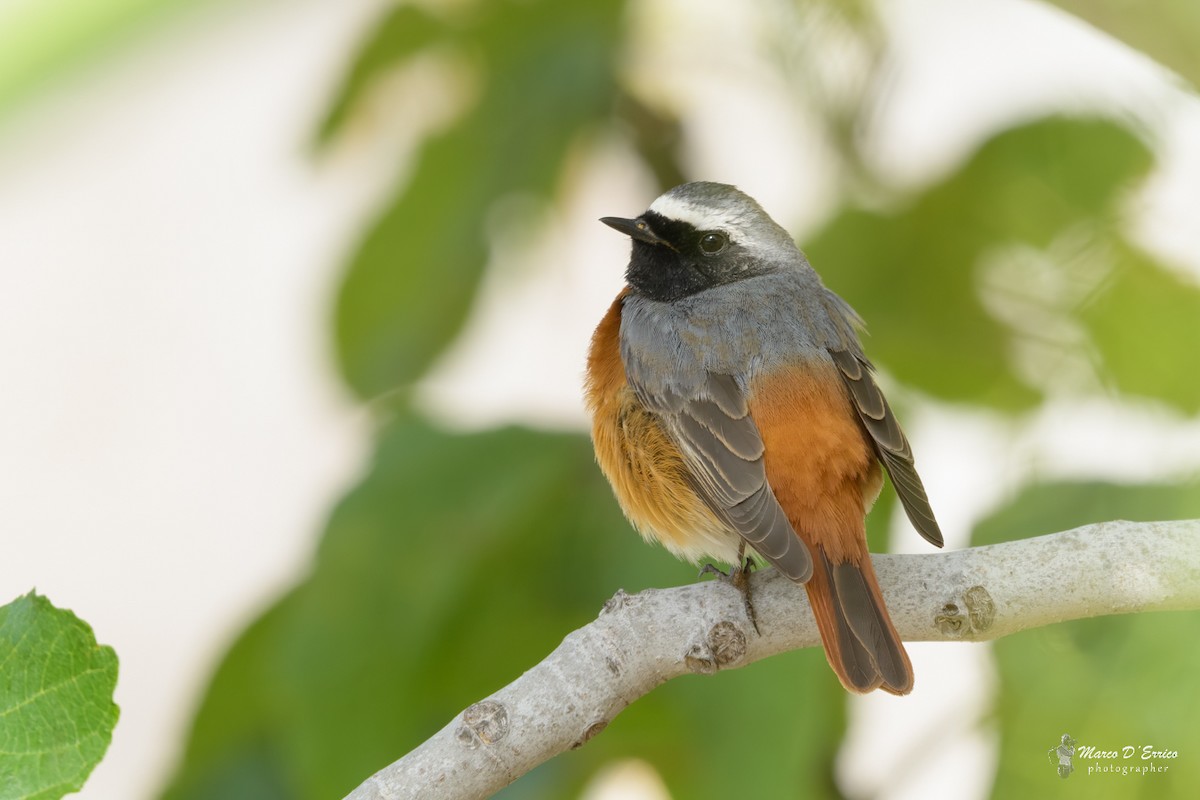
{"x":56,"y":708}
{"x":546,"y":70}
{"x":1108,"y":681}
{"x":403,"y":31}
{"x":459,"y":562}
{"x":913,"y":272}
{"x":1145,"y":324}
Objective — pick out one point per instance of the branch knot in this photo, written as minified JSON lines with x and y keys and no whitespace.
{"x":485,"y":722}
{"x":724,"y":645}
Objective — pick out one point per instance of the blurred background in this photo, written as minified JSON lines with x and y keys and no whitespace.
{"x":294,"y":301}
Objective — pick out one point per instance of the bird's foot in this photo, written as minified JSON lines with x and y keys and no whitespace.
{"x":739,"y":578}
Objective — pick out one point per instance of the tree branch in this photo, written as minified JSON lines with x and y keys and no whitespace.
{"x":640,"y":641}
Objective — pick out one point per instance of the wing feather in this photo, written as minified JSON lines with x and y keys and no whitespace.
{"x":890,"y":443}
{"x":724,"y":452}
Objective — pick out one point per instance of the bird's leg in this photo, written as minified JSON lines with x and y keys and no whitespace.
{"x":739,"y":578}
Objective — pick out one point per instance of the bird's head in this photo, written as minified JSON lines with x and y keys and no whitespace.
{"x":701,"y":235}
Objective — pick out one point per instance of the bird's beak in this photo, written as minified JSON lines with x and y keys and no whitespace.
{"x":635,"y":229}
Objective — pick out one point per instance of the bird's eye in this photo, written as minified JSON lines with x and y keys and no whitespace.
{"x":712,"y":242}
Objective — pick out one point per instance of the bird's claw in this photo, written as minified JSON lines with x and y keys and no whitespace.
{"x":739,"y":578}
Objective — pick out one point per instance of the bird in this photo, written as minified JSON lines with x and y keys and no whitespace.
{"x":734,"y":411}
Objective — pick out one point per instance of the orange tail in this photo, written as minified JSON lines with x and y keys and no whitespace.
{"x":860,"y":640}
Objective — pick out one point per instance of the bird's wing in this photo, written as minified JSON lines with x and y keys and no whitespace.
{"x":723,"y":450}
{"x":889,"y":441}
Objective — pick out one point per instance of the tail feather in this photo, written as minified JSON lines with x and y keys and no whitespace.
{"x":860,"y":641}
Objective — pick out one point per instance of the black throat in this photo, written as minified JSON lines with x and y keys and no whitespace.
{"x":662,"y":273}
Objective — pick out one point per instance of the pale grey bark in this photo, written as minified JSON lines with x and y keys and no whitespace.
{"x":640,"y":641}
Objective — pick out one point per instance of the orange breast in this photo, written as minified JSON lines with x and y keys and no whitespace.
{"x":645,"y":468}
{"x":817,"y":459}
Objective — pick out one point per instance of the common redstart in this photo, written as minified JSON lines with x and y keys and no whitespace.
{"x":733,"y":407}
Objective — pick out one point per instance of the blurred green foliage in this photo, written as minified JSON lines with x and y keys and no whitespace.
{"x":47,"y":39}
{"x":461,"y":559}
{"x":458,"y":562}
{"x":1167,"y":30}
{"x":1108,"y":681}
{"x":1129,"y":318}
{"x":547,"y":75}
{"x":914,"y":271}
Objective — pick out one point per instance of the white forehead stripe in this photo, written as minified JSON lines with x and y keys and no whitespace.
{"x":699,"y":217}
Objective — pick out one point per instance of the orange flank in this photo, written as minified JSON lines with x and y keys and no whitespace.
{"x":640,"y":460}
{"x":818,"y":462}
{"x":826,"y":477}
